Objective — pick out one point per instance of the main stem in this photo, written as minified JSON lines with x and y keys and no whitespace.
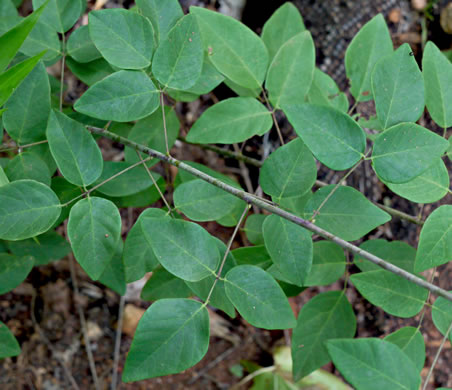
{"x":249,"y":198}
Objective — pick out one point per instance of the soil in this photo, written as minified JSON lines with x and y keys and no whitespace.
{"x":43,"y":312}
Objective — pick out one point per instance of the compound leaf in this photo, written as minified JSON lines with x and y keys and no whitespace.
{"x":334,"y":138}
{"x":230,"y":121}
{"x":76,"y":153}
{"x":94,"y":229}
{"x":327,"y":316}
{"x":405,"y":151}
{"x":27,"y":208}
{"x":291,"y":72}
{"x":169,"y":325}
{"x":435,"y":241}
{"x":373,"y":364}
{"x":124,"y":38}
{"x":124,"y":96}
{"x":258,"y":298}
{"x":184,"y":248}
{"x":371,"y":43}
{"x":235,"y":50}
{"x":347,"y":213}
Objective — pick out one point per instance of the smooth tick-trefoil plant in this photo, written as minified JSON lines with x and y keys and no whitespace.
{"x":137,"y":64}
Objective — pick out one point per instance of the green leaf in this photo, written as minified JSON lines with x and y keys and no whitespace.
{"x":289,"y":171}
{"x":291,"y":72}
{"x":28,"y":107}
{"x":9,"y":346}
{"x":129,"y":183}
{"x":3,"y":178}
{"x":169,"y":325}
{"x":285,"y":23}
{"x":76,"y":153}
{"x":242,"y":91}
{"x":437,"y":72}
{"x":296,"y":204}
{"x":144,"y":198}
{"x":28,"y":166}
{"x":230,"y":121}
{"x":435,"y":241}
{"x":12,"y":78}
{"x":398,"y":88}
{"x":327,"y":316}
{"x":12,"y":40}
{"x":218,"y":298}
{"x":371,"y":43}
{"x":235,"y":50}
{"x":374,"y":364}
{"x":442,"y":315}
{"x":325,"y":92}
{"x":184,"y":176}
{"x":90,"y":72}
{"x":410,"y":341}
{"x":124,"y":96}
{"x":328,"y":264}
{"x":394,"y":294}
{"x":252,"y":255}
{"x":163,"y":15}
{"x":94,"y":229}
{"x":334,"y":138}
{"x":398,"y":253}
{"x":60,"y":15}
{"x":42,"y":37}
{"x":290,"y":247}
{"x":258,"y":298}
{"x":202,"y":201}
{"x":45,"y":248}
{"x":138,"y":256}
{"x":13,"y":271}
{"x":405,"y":151}
{"x":150,"y":132}
{"x":177,"y":62}
{"x":184,"y":248}
{"x":347,"y":213}
{"x":163,"y":284}
{"x":27,"y":208}
{"x":80,"y":46}
{"x":124,"y":38}
{"x":430,"y":186}
{"x":113,"y":276}
{"x":43,"y":152}
{"x":253,"y":228}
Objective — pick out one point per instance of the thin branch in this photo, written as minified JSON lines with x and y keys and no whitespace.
{"x":87,"y":192}
{"x":278,"y":130}
{"x":7,"y":148}
{"x":435,"y":360}
{"x":114,"y":377}
{"x":249,"y":198}
{"x":226,"y":253}
{"x":318,"y":183}
{"x":253,"y":375}
{"x":155,"y":183}
{"x":81,"y":314}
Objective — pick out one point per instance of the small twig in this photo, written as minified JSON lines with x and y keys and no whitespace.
{"x":155,"y":183}
{"x":330,"y":194}
{"x":226,"y":253}
{"x":81,"y":314}
{"x":49,"y":345}
{"x":253,"y":375}
{"x":249,"y":198}
{"x":114,"y":376}
{"x":435,"y":360}
{"x":87,"y":192}
{"x":432,"y":278}
{"x":272,"y":111}
{"x":7,"y":148}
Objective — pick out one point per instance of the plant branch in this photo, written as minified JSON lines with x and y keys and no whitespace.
{"x":114,"y":378}
{"x":226,"y":253}
{"x":278,"y":130}
{"x":430,"y":372}
{"x":249,"y":198}
{"x":318,"y":183}
{"x":6,"y":148}
{"x":253,"y":375}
